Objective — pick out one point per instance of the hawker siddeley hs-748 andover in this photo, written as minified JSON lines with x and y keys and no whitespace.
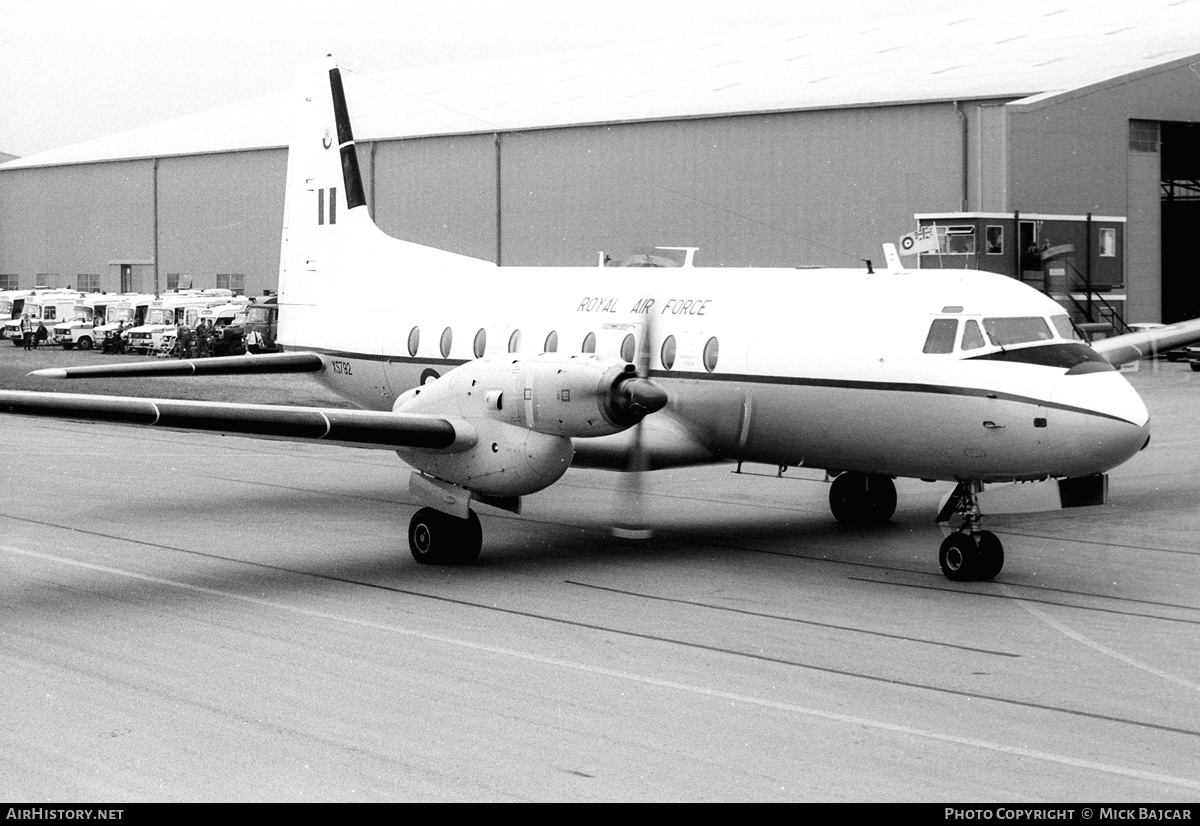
{"x":492,"y":381}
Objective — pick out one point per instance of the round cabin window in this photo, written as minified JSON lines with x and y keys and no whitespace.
{"x":480,"y":343}
{"x":711,"y":350}
{"x":667,"y":354}
{"x":447,"y":340}
{"x":414,"y":340}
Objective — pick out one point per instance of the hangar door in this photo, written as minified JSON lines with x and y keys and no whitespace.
{"x":1180,"y":158}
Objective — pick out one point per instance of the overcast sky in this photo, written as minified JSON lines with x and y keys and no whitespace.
{"x":76,"y":70}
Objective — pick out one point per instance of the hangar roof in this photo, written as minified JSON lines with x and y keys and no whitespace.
{"x":1015,"y":50}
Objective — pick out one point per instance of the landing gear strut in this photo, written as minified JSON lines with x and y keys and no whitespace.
{"x":862,"y":499}
{"x":970,"y":553}
{"x":437,"y":538}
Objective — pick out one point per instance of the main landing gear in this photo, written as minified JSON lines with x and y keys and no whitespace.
{"x":970,"y":553}
{"x":437,"y":538}
{"x":862,"y":499}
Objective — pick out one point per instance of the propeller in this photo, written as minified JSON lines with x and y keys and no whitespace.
{"x":630,"y":521}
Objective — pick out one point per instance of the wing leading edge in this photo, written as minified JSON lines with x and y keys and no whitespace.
{"x":1118,"y":350}
{"x":357,"y":428}
{"x":220,"y":366}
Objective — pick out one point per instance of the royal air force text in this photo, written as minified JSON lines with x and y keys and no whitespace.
{"x":644,"y":306}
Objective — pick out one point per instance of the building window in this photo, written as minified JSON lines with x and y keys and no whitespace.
{"x":232,"y":281}
{"x":994,"y":240}
{"x":9,"y":281}
{"x":46,"y":279}
{"x":87,"y":282}
{"x":1108,"y":243}
{"x":1143,"y":136}
{"x":956,"y":240}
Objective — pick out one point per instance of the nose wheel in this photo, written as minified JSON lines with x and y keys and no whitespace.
{"x":436,"y":538}
{"x":970,"y":554}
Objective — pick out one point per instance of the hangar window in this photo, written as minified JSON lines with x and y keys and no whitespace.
{"x":480,"y":344}
{"x":667,"y":353}
{"x":994,"y":240}
{"x":956,"y":240}
{"x":712,"y":349}
{"x":942,"y":333}
{"x":447,"y":340}
{"x":8,"y":281}
{"x":551,"y":345}
{"x":1143,"y":135}
{"x":589,"y":343}
{"x":629,"y":347}
{"x":972,"y":338}
{"x":87,"y":282}
{"x":1005,"y":331}
{"x":514,"y":341}
{"x":231,"y":281}
{"x":414,"y":340}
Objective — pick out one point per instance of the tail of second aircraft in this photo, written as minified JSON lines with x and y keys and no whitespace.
{"x":330,"y":244}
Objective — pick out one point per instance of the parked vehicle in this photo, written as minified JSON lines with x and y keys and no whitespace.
{"x":47,"y":308}
{"x":87,"y":314}
{"x":171,"y":308}
{"x":12,"y":305}
{"x":261,"y":325}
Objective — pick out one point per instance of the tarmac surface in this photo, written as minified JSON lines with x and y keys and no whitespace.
{"x":198,"y":617}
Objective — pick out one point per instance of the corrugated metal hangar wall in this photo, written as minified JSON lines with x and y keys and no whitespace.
{"x":822,"y":187}
{"x":807,"y":188}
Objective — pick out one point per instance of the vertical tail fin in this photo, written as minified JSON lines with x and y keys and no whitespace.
{"x":330,"y":245}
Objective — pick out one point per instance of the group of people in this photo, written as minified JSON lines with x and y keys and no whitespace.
{"x":197,"y":343}
{"x":31,"y":336}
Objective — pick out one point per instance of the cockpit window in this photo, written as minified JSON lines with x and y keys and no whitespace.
{"x":1064,"y":327}
{"x":1005,"y":331}
{"x":972,"y":337}
{"x":941,"y":336}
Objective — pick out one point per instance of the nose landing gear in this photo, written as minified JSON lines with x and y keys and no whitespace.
{"x":970,"y":553}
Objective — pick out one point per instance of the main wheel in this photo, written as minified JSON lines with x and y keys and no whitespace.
{"x":436,"y":538}
{"x":991,"y":555}
{"x":862,"y":499}
{"x":959,"y":557}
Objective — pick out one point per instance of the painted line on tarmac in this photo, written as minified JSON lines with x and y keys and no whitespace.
{"x":879,"y":725}
{"x":1095,"y":646}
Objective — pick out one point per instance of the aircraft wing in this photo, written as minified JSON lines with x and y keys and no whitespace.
{"x":220,"y":366}
{"x":356,"y":428}
{"x":1119,"y":350}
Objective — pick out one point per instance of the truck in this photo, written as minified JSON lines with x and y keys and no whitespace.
{"x":260,"y":326}
{"x":79,"y":331}
{"x":43,"y":307}
{"x":128,"y":309}
{"x":226,"y":323}
{"x":170,"y":309}
{"x":12,"y":305}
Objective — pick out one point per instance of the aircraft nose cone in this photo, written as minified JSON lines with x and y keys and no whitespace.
{"x":1110,"y":422}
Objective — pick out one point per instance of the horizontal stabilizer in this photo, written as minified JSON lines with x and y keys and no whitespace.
{"x":361,"y":428}
{"x":1118,"y":350}
{"x":220,"y":366}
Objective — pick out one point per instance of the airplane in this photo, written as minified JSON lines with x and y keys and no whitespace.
{"x":490,"y":382}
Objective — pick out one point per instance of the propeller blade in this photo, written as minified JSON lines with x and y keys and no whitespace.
{"x":643,"y":396}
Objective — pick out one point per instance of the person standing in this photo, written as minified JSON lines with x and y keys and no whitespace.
{"x":26,"y":331}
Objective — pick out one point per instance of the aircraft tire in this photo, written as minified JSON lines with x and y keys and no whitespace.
{"x":959,"y":557}
{"x":991,"y":555}
{"x":862,"y":499}
{"x":435,"y":538}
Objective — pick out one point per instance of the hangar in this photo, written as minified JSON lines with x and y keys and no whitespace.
{"x":1006,"y":130}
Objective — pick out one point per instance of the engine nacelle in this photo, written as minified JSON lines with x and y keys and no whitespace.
{"x":576,"y":396}
{"x":525,"y":412}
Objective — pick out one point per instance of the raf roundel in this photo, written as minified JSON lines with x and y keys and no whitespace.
{"x":907,"y":243}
